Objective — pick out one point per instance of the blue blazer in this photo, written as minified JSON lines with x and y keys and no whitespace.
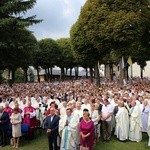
{"x":53,"y":125}
{"x":4,"y":120}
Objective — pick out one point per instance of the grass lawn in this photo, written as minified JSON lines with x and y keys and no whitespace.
{"x":41,"y":143}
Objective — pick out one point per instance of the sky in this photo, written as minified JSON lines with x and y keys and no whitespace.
{"x":58,"y":17}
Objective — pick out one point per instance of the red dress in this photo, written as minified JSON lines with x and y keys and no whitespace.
{"x":85,"y":128}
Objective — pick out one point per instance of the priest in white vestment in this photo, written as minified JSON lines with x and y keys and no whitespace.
{"x":67,"y":130}
{"x":145,"y":113}
{"x":135,"y":131}
{"x":63,"y":109}
{"x":122,"y":123}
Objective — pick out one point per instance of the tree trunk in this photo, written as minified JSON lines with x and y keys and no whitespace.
{"x":13,"y":75}
{"x":111,"y":71}
{"x":121,"y":76}
{"x":91,"y":74}
{"x":86,"y":71}
{"x":76,"y":72}
{"x":25,"y":74}
{"x":141,"y":69}
{"x":107,"y":71}
{"x":51,"y":71}
{"x":66,"y":71}
{"x":62,"y":73}
{"x":97,"y":75}
{"x":127,"y":72}
{"x":70,"y":72}
{"x":38,"y":75}
{"x":46,"y":74}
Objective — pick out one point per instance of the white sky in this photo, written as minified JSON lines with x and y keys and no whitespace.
{"x":58,"y":17}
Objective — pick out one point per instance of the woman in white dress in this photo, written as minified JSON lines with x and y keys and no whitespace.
{"x":16,"y":127}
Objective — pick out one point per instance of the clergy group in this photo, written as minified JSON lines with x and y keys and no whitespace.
{"x":76,"y":114}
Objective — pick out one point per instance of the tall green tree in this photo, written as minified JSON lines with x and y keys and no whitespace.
{"x":50,"y":54}
{"x":88,"y":35}
{"x":67,"y":57}
{"x":13,"y":26}
{"x":106,"y":25}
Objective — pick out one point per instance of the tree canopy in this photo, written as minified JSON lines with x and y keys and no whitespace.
{"x":16,"y":41}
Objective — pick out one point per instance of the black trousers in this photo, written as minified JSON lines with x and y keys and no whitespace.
{"x":3,"y":136}
{"x":52,"y":141}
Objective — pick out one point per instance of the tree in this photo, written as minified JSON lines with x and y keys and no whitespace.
{"x":81,"y":47}
{"x":67,"y":57}
{"x":128,"y":25}
{"x":88,"y":35}
{"x":13,"y":31}
{"x":50,"y":53}
{"x":106,"y":25}
{"x":37,"y":61}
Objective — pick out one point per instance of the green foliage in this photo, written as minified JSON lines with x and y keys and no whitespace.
{"x":16,"y":42}
{"x":67,"y":57}
{"x":89,"y":40}
{"x":122,"y":27}
{"x":1,"y":78}
{"x":49,"y":53}
{"x":19,"y":75}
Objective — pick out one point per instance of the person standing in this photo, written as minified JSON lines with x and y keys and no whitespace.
{"x":135,"y":131}
{"x":16,"y":120}
{"x":122,"y":123}
{"x":107,"y":111}
{"x":145,"y":114}
{"x":95,"y":118}
{"x":86,"y":128}
{"x":67,"y":130}
{"x":29,"y":117}
{"x":4,"y":121}
{"x":51,"y":124}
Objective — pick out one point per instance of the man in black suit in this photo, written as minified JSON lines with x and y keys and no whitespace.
{"x":51,"y":124}
{"x":4,"y":121}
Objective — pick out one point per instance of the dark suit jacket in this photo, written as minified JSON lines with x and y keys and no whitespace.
{"x":4,"y":120}
{"x":115,"y":110}
{"x":52,"y":125}
{"x":100,"y":108}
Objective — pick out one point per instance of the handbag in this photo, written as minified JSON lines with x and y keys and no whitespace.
{"x":84,"y":148}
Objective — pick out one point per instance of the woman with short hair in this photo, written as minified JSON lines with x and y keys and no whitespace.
{"x":86,"y":127}
{"x":16,"y":127}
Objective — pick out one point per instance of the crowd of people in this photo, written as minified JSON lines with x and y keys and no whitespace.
{"x":76,"y":113}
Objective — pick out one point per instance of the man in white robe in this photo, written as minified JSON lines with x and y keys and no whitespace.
{"x":67,"y":131}
{"x":145,"y":113}
{"x":135,"y":131}
{"x":63,"y":109}
{"x":122,"y":123}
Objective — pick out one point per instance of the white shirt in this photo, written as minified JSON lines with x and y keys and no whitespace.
{"x":106,"y":110}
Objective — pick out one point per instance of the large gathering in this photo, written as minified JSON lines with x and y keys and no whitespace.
{"x":76,"y":114}
{"x":75,"y":74}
